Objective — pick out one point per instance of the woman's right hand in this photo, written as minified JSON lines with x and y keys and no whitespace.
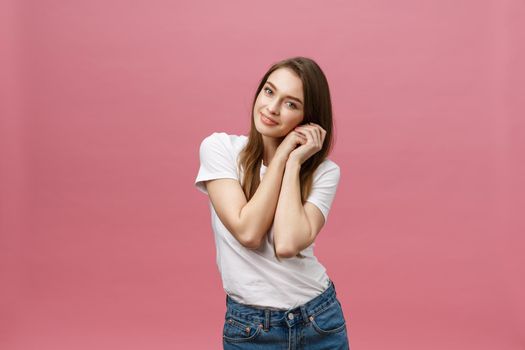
{"x":289,"y":143}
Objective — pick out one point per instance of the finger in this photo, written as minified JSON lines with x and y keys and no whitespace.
{"x":314,"y":131}
{"x":316,"y":126}
{"x":320,"y":132}
{"x":317,"y":134}
{"x":309,"y":135}
{"x":302,"y":138}
{"x":300,"y":131}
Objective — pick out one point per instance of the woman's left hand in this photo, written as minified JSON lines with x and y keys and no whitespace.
{"x":315,"y":135}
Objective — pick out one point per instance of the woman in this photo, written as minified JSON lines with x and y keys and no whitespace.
{"x":270,"y":193}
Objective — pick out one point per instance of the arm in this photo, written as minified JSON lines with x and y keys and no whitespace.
{"x":295,"y":225}
{"x":248,"y":221}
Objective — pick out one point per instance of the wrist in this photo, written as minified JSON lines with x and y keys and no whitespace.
{"x":281,"y":156}
{"x":292,"y":162}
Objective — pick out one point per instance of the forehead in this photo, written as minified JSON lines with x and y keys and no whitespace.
{"x":287,"y":82}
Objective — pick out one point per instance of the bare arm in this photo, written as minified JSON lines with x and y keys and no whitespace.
{"x":296,"y":225}
{"x":248,"y":221}
{"x":291,"y":223}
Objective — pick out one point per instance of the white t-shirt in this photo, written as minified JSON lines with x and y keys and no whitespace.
{"x":254,"y":276}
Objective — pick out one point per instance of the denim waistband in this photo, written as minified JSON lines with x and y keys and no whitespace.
{"x":271,"y":316}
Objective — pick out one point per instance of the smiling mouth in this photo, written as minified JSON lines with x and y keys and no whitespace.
{"x":268,"y":120}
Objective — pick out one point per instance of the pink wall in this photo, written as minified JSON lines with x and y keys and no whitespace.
{"x":105,"y":243}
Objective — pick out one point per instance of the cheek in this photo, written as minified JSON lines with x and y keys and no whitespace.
{"x":292,"y":119}
{"x":296,"y":120}
{"x":258,"y":104}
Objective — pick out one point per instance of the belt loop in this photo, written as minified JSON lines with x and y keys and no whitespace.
{"x":305,"y":315}
{"x":266,"y":319}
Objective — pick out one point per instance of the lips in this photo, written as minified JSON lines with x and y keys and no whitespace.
{"x":273,"y":120}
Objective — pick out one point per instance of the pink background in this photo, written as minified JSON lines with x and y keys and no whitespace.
{"x":105,"y":242}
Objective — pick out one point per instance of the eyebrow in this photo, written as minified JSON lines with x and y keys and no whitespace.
{"x":293,"y":98}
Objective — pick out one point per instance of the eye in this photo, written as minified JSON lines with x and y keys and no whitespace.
{"x":293,"y":105}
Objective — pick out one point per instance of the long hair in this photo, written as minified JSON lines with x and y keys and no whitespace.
{"x":317,"y":109}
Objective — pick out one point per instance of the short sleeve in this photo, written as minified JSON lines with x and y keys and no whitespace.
{"x":324,"y":187}
{"x":216,"y":160}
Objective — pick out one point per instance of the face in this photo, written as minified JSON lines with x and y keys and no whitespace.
{"x":281,"y":100}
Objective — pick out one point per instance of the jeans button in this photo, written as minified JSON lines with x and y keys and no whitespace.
{"x":290,"y":316}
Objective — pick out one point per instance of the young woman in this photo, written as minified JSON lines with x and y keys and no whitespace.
{"x":270,"y":193}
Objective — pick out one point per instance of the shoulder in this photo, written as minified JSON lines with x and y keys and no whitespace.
{"x":221,"y":137}
{"x":328,"y":168}
{"x":216,"y":138}
{"x":221,"y":140}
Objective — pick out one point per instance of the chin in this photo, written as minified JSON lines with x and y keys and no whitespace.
{"x":264,"y":132}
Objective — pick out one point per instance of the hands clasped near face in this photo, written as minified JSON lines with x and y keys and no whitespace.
{"x":311,"y":138}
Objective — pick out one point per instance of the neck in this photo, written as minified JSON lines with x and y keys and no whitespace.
{"x":270,"y":147}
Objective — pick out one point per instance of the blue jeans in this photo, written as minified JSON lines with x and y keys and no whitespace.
{"x":317,"y":324}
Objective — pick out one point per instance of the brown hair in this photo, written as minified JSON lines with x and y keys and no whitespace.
{"x":317,"y":109}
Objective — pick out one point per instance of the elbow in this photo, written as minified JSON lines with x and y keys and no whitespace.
{"x":285,"y":251}
{"x":250,"y":242}
{"x":247,"y":236}
{"x":284,"y":248}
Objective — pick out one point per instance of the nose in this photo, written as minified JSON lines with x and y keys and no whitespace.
{"x":273,"y":107}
